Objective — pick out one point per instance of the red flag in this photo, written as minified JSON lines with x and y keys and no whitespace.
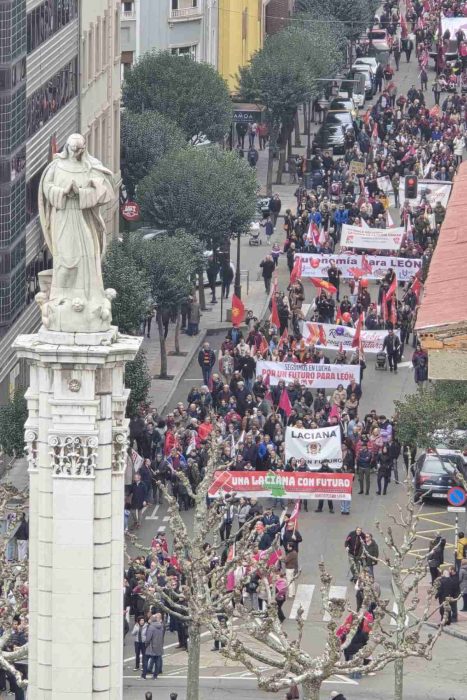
{"x":284,"y":338}
{"x":366,"y":117}
{"x":358,"y":332}
{"x":295,"y":512}
{"x":392,"y":289}
{"x":296,"y":270}
{"x":416,"y":287}
{"x":404,"y":30}
{"x":274,"y":312}
{"x":393,"y":312}
{"x":366,"y":267}
{"x":374,"y":133}
{"x":384,"y":307}
{"x":323,"y":284}
{"x":264,"y":347}
{"x":338,"y":315}
{"x":284,"y":403}
{"x":238,"y":311}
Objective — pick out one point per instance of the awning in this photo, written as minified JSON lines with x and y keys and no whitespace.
{"x":247,"y":112}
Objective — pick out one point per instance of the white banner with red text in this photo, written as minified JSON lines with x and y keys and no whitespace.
{"x":306,"y":485}
{"x":317,"y":265}
{"x":331,"y":337}
{"x":371,"y":238}
{"x":314,"y":445}
{"x":315,"y":375}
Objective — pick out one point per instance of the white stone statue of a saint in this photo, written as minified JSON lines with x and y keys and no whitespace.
{"x":72,"y":189}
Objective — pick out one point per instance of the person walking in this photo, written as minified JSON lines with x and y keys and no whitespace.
{"x":194,"y":316}
{"x":364,"y":460}
{"x":384,"y":462}
{"x":291,"y":568}
{"x":324,"y":469}
{"x":354,"y":546}
{"x":206,"y":360}
{"x":423,"y":80}
{"x":268,"y":268}
{"x":138,"y":499}
{"x":22,"y":538}
{"x":391,"y":344}
{"x":139,"y":635}
{"x":227,"y":275}
{"x":154,"y":646}
{"x":461,"y":550}
{"x":370,"y":554}
{"x":435,"y":556}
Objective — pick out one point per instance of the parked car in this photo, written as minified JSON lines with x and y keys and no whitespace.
{"x":367,"y":61}
{"x":344,"y":104}
{"x":379,"y":38}
{"x":330,"y":137}
{"x":341,"y":116}
{"x":353,"y":87}
{"x":434,"y":473}
{"x":369,"y":79}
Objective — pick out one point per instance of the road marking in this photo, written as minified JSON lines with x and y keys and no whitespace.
{"x":338,"y":592}
{"x":302,"y":598}
{"x":153,"y":515}
{"x":165,"y":518}
{"x":404,"y":364}
{"x":395,"y":611}
{"x":249,"y":678}
{"x":193,"y":380}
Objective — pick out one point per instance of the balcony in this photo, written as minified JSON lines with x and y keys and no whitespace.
{"x":185,"y":14}
{"x":127,"y":14}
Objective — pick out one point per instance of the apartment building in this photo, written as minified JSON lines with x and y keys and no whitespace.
{"x":59,"y":73}
{"x":181,"y":26}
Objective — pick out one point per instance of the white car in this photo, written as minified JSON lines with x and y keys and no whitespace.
{"x":367,"y":61}
{"x":379,"y":38}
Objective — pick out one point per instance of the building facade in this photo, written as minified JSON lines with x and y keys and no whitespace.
{"x":241,"y":33}
{"x":45,"y":95}
{"x":181,"y":26}
{"x":278,"y":13}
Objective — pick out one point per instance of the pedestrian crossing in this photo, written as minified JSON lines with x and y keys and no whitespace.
{"x":304,"y":597}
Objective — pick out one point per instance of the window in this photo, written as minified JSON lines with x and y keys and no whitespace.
{"x":127,"y":6}
{"x":91,"y":54}
{"x":98,"y":56}
{"x":32,"y":190}
{"x":105,"y":43}
{"x":46,"y":19}
{"x":184,"y":4}
{"x":185,"y":51}
{"x":13,"y":167}
{"x":84,"y":58}
{"x":116,"y":33}
{"x":45,"y":102}
{"x":104,"y":140}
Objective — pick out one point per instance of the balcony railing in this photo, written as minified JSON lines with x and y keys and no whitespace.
{"x":128,"y":14}
{"x":187,"y":13}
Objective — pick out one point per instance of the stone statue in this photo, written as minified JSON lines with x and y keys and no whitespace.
{"x":72,"y":189}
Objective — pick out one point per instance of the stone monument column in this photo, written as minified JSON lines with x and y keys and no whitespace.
{"x":76,"y":441}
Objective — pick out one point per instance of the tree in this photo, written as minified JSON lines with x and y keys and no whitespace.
{"x":351,"y":18}
{"x":12,"y":419}
{"x":171,"y":262}
{"x":190,"y":94}
{"x":433,"y":415}
{"x":286,"y":661}
{"x":146,"y":138}
{"x":284,"y":74}
{"x":138,"y":380}
{"x":130,"y":282}
{"x":208,"y":192}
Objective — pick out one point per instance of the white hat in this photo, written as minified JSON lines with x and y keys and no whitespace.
{"x":334,"y":694}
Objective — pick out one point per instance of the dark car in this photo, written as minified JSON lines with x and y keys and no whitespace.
{"x":330,"y":136}
{"x":434,"y":474}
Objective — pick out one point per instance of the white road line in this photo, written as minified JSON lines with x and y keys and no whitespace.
{"x":404,"y":364}
{"x":395,"y":610}
{"x":338,"y":592}
{"x":153,"y":515}
{"x":165,"y":518}
{"x":245,"y":678}
{"x":302,"y":598}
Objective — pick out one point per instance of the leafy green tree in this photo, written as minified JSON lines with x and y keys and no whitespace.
{"x":138,"y":380}
{"x":433,"y":415}
{"x":192,"y":95}
{"x":205,"y":191}
{"x":12,"y":419}
{"x":131,"y":284}
{"x":286,"y":73}
{"x":146,"y":139}
{"x":353,"y":18}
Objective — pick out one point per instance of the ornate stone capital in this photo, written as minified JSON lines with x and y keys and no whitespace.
{"x":30,"y":438}
{"x":73,"y":455}
{"x":119,"y":448}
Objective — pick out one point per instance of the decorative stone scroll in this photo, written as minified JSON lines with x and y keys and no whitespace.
{"x":119,"y":448}
{"x":30,"y":438}
{"x":73,"y":455}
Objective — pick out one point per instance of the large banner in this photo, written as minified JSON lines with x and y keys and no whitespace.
{"x":316,"y":265}
{"x":315,"y":375}
{"x":371,"y":238}
{"x":306,"y":485}
{"x":327,"y":335}
{"x":314,"y":446}
{"x":432,"y":190}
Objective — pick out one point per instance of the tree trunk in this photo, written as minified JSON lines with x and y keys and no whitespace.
{"x":284,"y":136}
{"x":311,"y":690}
{"x":194,"y":650}
{"x":398,"y":679}
{"x":202,"y":300}
{"x":177,"y":332}
{"x":305,"y":118}
{"x":163,"y":372}
{"x":270,"y":167}
{"x":298,"y":141}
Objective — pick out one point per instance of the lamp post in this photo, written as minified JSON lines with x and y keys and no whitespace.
{"x":237,"y":286}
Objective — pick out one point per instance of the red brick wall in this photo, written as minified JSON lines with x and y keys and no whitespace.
{"x":275,"y":11}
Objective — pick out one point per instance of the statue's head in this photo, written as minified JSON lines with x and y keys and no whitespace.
{"x":75,"y":146}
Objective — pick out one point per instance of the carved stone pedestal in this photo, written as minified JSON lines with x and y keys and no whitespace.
{"x":76,"y":442}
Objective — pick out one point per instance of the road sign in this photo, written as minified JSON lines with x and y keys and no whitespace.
{"x":454,"y":509}
{"x":130,"y":211}
{"x":456,"y":496}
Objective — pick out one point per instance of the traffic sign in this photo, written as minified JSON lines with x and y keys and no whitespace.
{"x":456,"y":496}
{"x":455,"y":509}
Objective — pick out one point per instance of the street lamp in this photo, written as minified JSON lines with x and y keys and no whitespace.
{"x":237,"y":285}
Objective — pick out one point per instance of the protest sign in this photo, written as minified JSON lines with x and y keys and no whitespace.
{"x":371,"y":238}
{"x":356,"y":167}
{"x":317,"y":265}
{"x":331,"y":337}
{"x":314,"y":446}
{"x":432,"y":191}
{"x":305,"y":485}
{"x":316,"y":375}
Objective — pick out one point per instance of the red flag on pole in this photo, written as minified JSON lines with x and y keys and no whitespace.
{"x":274,"y":312}
{"x":323,"y":284}
{"x":338,"y":315}
{"x":284,"y":338}
{"x":416,"y":287}
{"x":393,"y":312}
{"x":358,"y":332}
{"x":392,"y":289}
{"x":384,"y":307}
{"x":238,"y":311}
{"x":296,"y":270}
{"x":284,"y":403}
{"x":264,"y":347}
